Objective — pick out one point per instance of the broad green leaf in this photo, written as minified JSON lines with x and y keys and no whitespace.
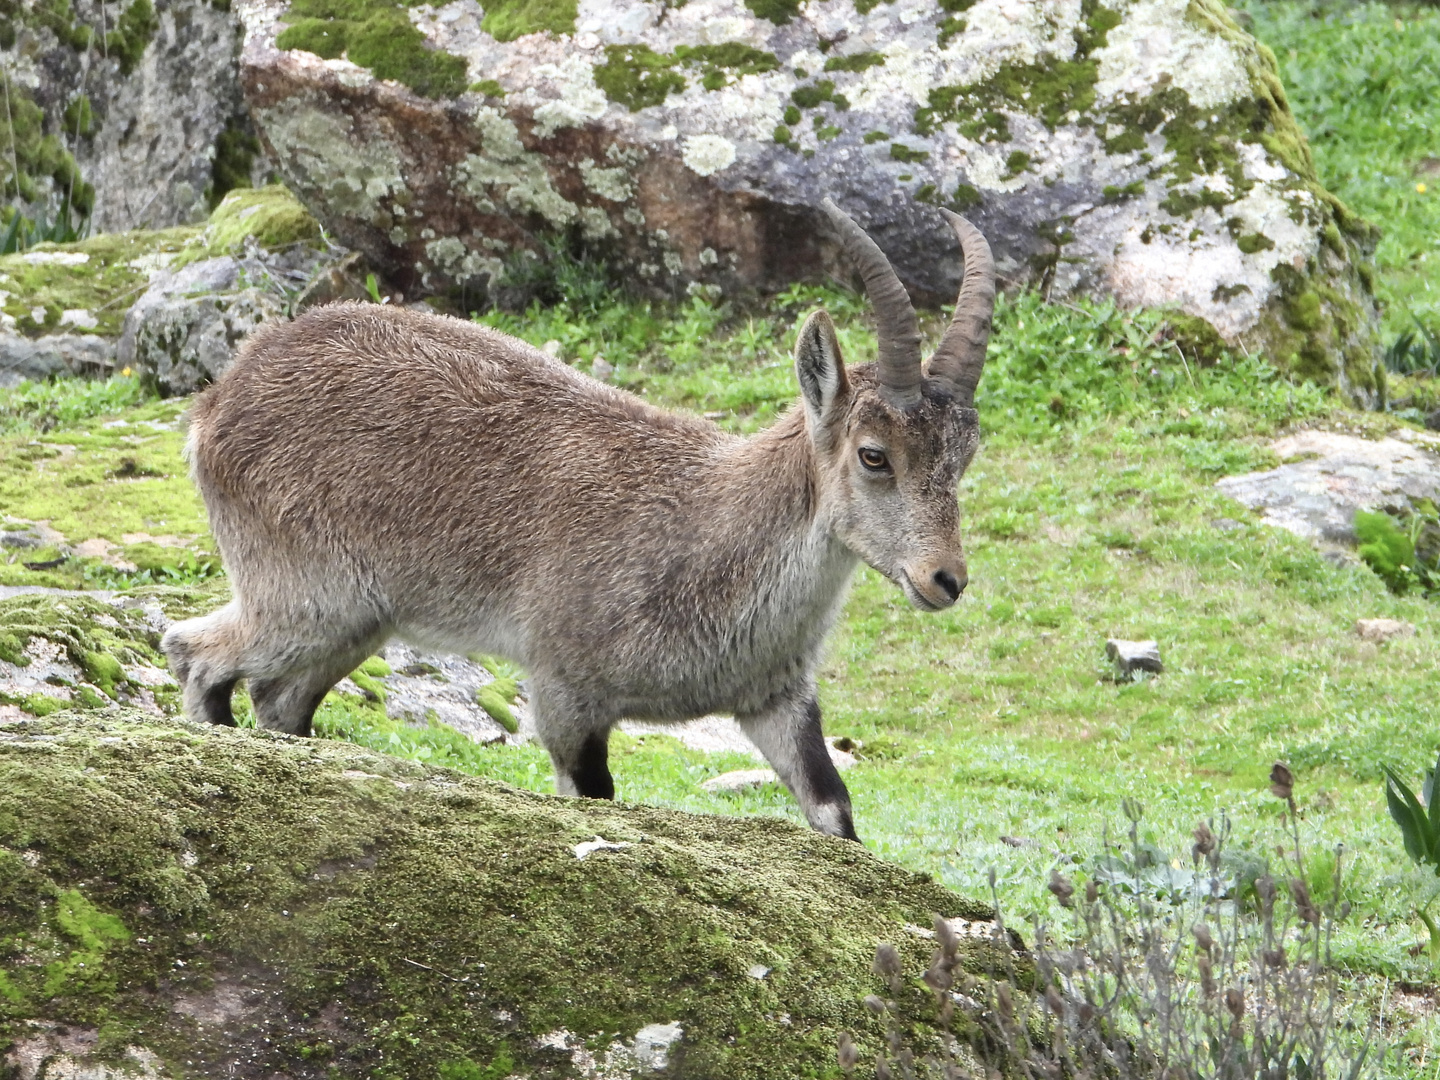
{"x":1410,"y":816}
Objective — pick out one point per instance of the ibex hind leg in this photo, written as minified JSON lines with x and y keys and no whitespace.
{"x":206,"y":657}
{"x":578,"y":743}
{"x":288,"y":702}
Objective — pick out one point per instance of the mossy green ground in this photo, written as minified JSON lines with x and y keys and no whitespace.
{"x":228,"y":898}
{"x":1089,"y":513}
{"x":41,"y":284}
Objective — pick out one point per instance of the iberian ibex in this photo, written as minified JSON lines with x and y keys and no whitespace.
{"x":372,"y":472}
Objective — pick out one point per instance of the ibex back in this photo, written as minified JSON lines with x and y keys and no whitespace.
{"x":372,"y":472}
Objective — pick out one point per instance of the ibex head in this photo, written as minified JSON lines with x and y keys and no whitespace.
{"x":892,"y":439}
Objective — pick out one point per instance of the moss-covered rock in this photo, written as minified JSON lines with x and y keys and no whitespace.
{"x":219,"y":902}
{"x":1138,"y":148}
{"x":61,"y":305}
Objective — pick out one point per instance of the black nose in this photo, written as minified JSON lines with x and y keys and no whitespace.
{"x":946,"y":581}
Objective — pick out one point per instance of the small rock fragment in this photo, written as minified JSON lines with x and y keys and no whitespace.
{"x":588,"y":847}
{"x":740,"y":780}
{"x":601,"y":369}
{"x":1132,"y":656}
{"x":1382,"y":630}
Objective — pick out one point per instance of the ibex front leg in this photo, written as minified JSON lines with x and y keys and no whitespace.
{"x":788,"y":734}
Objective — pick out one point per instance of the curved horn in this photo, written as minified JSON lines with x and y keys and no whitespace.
{"x":896,"y":324}
{"x":960,"y":357}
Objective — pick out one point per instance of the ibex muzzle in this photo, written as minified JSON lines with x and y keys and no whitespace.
{"x":372,"y":472}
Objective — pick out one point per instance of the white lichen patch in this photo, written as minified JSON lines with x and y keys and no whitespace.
{"x":1156,"y":45}
{"x":577,"y":99}
{"x":463,"y":265}
{"x":79,"y":318}
{"x":506,"y":171}
{"x":612,"y":184}
{"x":351,"y":174}
{"x":648,"y":1053}
{"x":55,"y":258}
{"x":1209,"y":275}
{"x":708,"y":154}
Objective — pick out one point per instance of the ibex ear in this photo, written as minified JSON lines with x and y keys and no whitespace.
{"x":819,"y":369}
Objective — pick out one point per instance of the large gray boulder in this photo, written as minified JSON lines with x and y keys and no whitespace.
{"x":1141,"y":149}
{"x":132,"y":111}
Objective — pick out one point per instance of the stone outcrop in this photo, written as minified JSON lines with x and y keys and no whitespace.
{"x":1141,"y":149}
{"x":184,"y":331}
{"x":168,"y":304}
{"x":22,"y":358}
{"x":132,"y":112}
{"x":178,"y":901}
{"x":1327,"y":476}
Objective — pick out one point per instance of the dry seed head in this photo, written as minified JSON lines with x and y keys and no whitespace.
{"x":1274,"y":958}
{"x":1062,"y":888}
{"x":874,"y":1004}
{"x":945,"y":934}
{"x":1053,"y":1001}
{"x":938,"y":978}
{"x":882,"y":1068}
{"x":887,"y":961}
{"x":1265,"y":889}
{"x":1004,"y":1001}
{"x":1204,"y":842}
{"x":1202,"y":936}
{"x":1092,"y":892}
{"x":1235,"y":1002}
{"x":1207,"y":976}
{"x":1300,"y":893}
{"x":1282,"y":781}
{"x":846,"y":1052}
{"x":1085,"y":1014}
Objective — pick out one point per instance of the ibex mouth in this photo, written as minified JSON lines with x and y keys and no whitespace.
{"x":916,"y":597}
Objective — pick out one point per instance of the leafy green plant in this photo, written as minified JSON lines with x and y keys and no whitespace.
{"x":23,"y":232}
{"x":1419,"y":822}
{"x":1414,"y":352}
{"x":1389,"y":548}
{"x":41,"y":406}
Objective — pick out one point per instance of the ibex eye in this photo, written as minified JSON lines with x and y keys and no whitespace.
{"x":873,"y":459}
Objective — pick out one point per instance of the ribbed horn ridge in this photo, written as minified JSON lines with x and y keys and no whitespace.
{"x":896,"y":324}
{"x":961,"y":355}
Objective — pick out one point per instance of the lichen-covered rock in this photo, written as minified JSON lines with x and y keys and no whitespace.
{"x":180,"y":901}
{"x":183,"y":332}
{"x":131,"y":112}
{"x":1137,"y":148}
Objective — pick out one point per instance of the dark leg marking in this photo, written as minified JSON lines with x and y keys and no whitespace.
{"x":592,"y":771}
{"x":216,"y":703}
{"x":822,"y":779}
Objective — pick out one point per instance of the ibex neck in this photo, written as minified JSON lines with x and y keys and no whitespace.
{"x":781,"y":530}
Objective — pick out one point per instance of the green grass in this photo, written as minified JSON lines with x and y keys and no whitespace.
{"x":1364,"y":82}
